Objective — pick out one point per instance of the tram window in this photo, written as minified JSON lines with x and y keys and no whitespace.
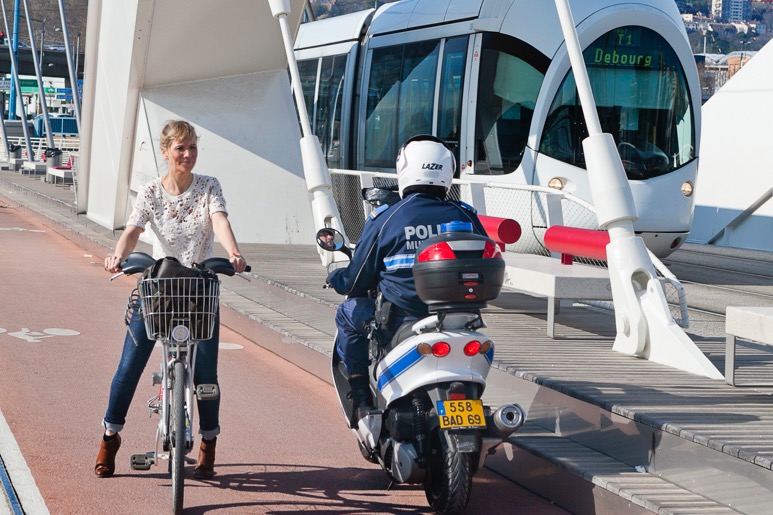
{"x":401,"y":91}
{"x":324,"y":102}
{"x":381,"y":109}
{"x":327,"y":115}
{"x":642,"y":99}
{"x":307,"y":70}
{"x":417,"y":90}
{"x":507,"y":92}
{"x":450,"y":101}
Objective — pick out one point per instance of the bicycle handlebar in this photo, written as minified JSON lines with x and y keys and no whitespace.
{"x":138,"y":262}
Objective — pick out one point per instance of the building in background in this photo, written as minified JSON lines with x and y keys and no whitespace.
{"x":731,"y":10}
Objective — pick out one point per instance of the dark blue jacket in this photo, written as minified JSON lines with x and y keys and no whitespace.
{"x":385,"y":252}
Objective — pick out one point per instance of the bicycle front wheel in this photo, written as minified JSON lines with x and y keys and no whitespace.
{"x":177,"y":450}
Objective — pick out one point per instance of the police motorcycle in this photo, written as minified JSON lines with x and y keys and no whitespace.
{"x":429,"y":425}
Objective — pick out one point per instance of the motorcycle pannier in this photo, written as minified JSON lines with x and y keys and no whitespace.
{"x":458,"y":270}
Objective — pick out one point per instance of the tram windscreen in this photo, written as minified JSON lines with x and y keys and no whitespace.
{"x":642,"y":100}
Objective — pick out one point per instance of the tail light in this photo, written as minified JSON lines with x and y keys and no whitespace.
{"x":456,"y":392}
{"x":438,"y":252}
{"x":491,"y":251}
{"x":440,"y":349}
{"x":472,"y":348}
{"x":443,"y":252}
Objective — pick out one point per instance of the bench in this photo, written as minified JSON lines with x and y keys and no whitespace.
{"x":560,"y":277}
{"x":33,"y":167}
{"x":16,"y":163}
{"x":543,"y":276}
{"x":54,"y":173}
{"x":748,"y":323}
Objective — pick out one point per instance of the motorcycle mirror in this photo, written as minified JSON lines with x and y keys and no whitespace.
{"x":330,"y":239}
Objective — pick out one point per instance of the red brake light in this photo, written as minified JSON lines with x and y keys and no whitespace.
{"x":441,"y":349}
{"x":472,"y":348}
{"x":457,"y":396}
{"x":491,"y":251}
{"x":437,"y":252}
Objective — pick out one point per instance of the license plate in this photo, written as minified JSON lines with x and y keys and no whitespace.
{"x":461,"y":413}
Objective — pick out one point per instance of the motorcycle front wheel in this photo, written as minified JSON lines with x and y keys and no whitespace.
{"x":449,"y":476}
{"x":177,"y":450}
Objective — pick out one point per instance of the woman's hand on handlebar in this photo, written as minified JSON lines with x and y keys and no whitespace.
{"x":238,"y":262}
{"x":126,"y":244}
{"x":113,"y":263}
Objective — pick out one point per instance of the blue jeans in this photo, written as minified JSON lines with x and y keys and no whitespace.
{"x":352,"y":344}
{"x":132,"y":364}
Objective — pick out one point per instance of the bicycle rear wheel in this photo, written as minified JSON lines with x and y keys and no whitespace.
{"x":177,"y":450}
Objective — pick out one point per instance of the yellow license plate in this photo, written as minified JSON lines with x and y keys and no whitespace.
{"x":460,"y":413}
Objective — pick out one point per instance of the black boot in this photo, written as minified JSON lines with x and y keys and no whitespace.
{"x":362,"y":400}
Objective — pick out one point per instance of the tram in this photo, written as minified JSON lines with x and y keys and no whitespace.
{"x":492,"y":78}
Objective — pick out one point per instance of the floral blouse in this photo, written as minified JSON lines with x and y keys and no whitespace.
{"x":181,"y":224}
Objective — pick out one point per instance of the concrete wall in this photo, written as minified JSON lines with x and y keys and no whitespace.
{"x":736,"y":166}
{"x":249,"y":141}
{"x":224,"y":69}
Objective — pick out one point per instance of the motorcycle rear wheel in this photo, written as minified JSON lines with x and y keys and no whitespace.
{"x":177,"y":450}
{"x":449,"y":476}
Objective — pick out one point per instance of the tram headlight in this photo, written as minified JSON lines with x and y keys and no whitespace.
{"x":556,"y":183}
{"x":687,"y":189}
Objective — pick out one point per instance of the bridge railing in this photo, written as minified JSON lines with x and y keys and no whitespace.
{"x":68,"y":145}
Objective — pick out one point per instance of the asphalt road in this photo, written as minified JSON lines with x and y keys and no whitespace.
{"x":283,"y":447}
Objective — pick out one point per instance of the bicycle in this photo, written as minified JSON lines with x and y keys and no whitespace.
{"x":178,"y":312}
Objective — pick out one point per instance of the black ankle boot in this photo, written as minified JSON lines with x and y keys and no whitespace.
{"x":362,"y":400}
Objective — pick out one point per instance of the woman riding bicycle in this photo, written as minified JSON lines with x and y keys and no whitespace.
{"x":185,"y":211}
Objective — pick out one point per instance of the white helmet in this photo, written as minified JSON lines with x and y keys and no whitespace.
{"x":424,"y":161}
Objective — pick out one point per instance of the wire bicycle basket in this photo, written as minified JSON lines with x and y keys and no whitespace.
{"x":169,"y":302}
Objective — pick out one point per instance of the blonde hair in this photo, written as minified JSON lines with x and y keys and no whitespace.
{"x":176,"y":130}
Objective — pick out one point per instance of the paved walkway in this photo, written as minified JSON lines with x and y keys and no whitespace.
{"x":573,"y":386}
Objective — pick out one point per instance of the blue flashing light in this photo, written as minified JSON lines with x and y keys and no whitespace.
{"x":456,"y":226}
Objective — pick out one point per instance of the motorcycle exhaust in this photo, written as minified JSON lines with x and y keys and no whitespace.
{"x":499,"y":426}
{"x":507,"y":419}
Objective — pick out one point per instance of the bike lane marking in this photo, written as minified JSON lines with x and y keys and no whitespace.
{"x":19,"y":486}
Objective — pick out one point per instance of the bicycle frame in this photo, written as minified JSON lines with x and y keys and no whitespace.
{"x":178,"y":312}
{"x":173,"y":352}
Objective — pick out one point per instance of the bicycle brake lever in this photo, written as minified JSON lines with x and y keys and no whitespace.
{"x":244,"y":276}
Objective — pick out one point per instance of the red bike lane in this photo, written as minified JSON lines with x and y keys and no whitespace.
{"x":284,"y":446}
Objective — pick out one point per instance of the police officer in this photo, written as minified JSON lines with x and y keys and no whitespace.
{"x":385,"y":252}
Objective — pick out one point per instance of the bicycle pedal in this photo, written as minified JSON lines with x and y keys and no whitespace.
{"x":142,"y":461}
{"x":207,"y":392}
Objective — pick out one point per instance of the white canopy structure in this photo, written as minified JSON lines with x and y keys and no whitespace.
{"x":220,"y":65}
{"x":734,"y":191}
